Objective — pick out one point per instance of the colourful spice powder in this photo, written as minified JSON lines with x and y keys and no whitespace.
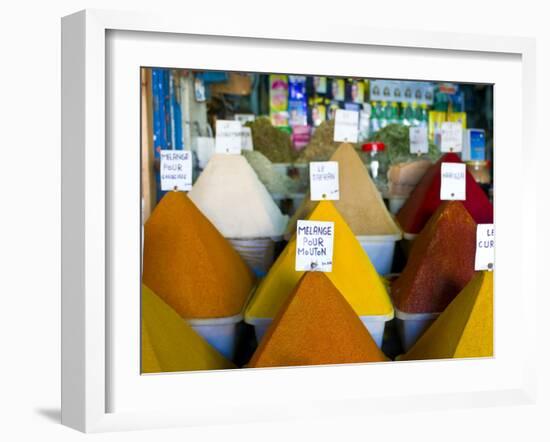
{"x":229,"y":193}
{"x":464,"y":329}
{"x":360,"y":203}
{"x":316,"y":325}
{"x":190,"y":265}
{"x":352,"y":274}
{"x":441,"y":262}
{"x":424,"y":199}
{"x":168,"y":343}
{"x":322,"y":144}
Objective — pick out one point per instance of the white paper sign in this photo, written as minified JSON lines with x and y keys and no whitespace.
{"x":324,"y":183}
{"x":451,"y":137}
{"x":346,"y":125}
{"x":228,"y":137}
{"x":314,"y":246}
{"x":485,"y":247}
{"x":418,"y":137}
{"x":246,"y":135}
{"x":176,"y":170}
{"x":453,"y":181}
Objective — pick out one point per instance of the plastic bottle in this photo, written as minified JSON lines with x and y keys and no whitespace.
{"x":423,"y":115}
{"x":414,"y":114}
{"x":393,"y":113}
{"x":377,"y":168}
{"x":407,"y":114}
{"x":383,"y":114}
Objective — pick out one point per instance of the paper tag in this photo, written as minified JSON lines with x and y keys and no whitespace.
{"x":324,"y":183}
{"x":228,"y":137}
{"x":418,"y":137}
{"x":453,"y":181}
{"x":451,"y":137}
{"x":176,"y":170}
{"x":314,"y":246}
{"x":485,"y":247}
{"x":246,"y":138}
{"x":346,"y":125}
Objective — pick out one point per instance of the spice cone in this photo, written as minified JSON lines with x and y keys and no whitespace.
{"x":316,"y":325}
{"x":190,"y":265}
{"x":464,"y":329}
{"x":441,"y":262}
{"x":360,"y":203}
{"x":425,"y":199}
{"x":168,"y":343}
{"x":352,"y":274}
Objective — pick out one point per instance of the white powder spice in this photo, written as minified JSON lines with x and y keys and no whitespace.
{"x":229,"y":193}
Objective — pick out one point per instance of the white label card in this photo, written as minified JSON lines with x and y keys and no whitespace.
{"x":228,"y":137}
{"x":453,"y":181}
{"x":246,"y":135}
{"x":451,"y":137}
{"x":176,"y":170}
{"x":485,"y":247}
{"x":346,"y":126}
{"x":314,"y":246}
{"x":418,"y":137}
{"x":324,"y":183}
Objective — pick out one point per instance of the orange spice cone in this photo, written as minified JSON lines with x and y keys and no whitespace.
{"x":464,"y":329}
{"x":168,"y":343}
{"x":316,"y":325}
{"x":190,"y":265}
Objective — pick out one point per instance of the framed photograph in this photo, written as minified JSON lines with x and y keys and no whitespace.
{"x":265,"y":224}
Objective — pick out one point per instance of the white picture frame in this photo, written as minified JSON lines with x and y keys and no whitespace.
{"x":90,"y":197}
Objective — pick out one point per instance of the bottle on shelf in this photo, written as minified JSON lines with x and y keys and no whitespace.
{"x":377,"y":169}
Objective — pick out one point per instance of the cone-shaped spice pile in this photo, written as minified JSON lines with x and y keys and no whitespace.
{"x":190,"y":265}
{"x":230,"y":195}
{"x":168,"y":343}
{"x":316,"y":325}
{"x":464,"y":329}
{"x":352,"y":274}
{"x":441,"y":262}
{"x":424,"y":199}
{"x":360,"y":203}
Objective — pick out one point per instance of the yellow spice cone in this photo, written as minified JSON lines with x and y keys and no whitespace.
{"x":168,"y":343}
{"x":464,"y":329}
{"x":352,"y":274}
{"x":360,"y":203}
{"x":315,"y":326}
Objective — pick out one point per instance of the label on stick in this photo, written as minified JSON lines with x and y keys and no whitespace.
{"x":228,"y":137}
{"x":453,"y":181}
{"x":323,"y":180}
{"x":346,"y":126}
{"x":246,"y":135}
{"x":314,"y":246}
{"x":418,"y":137}
{"x":451,"y":137}
{"x":176,"y":170}
{"x":485,"y":247}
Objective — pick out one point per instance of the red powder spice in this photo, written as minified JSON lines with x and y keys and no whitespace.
{"x":424,"y":199}
{"x":316,"y":325}
{"x":441,"y":262}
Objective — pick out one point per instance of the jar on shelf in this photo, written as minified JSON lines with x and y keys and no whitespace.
{"x":371,"y":153}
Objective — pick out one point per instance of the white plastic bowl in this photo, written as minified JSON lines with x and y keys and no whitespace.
{"x":395,"y":203}
{"x":411,"y":326}
{"x":374,"y":324}
{"x":258,"y":253}
{"x":220,"y":333}
{"x":380,"y":249}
